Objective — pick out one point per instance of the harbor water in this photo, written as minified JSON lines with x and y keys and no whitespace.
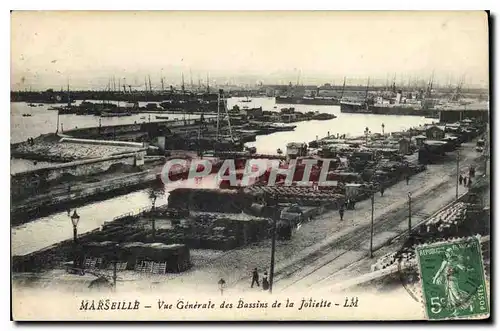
{"x":44,"y":120}
{"x":345,"y":123}
{"x":46,"y":231}
{"x":54,"y":228}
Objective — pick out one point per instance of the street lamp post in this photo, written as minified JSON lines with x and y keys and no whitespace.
{"x":114,"y":266}
{"x":383,"y":127}
{"x":458,"y":172}
{"x":273,"y":248}
{"x":371,"y":228}
{"x":222,"y":284}
{"x":409,"y":214}
{"x":153,"y":197}
{"x":75,"y":218}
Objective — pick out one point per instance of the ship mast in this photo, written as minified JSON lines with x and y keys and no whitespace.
{"x":150,"y":88}
{"x":57,"y":127}
{"x":367,"y":85}
{"x":221,"y":101}
{"x":208,"y":85}
{"x":191,"y":80}
{"x":393,"y":87}
{"x":458,"y":90}
{"x":343,"y":89}
{"x":227,"y":115}
{"x":69,"y":100}
{"x":429,"y":86}
{"x":218,"y":117}
{"x":182,"y":86}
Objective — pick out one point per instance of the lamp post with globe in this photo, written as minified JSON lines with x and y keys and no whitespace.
{"x":367,"y":132}
{"x":75,"y":218}
{"x":222,"y":285}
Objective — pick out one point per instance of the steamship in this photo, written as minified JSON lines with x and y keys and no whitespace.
{"x":308,"y":100}
{"x":403,"y":106}
{"x":347,"y":106}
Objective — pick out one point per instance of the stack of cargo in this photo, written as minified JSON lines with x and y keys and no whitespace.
{"x":458,"y":220}
{"x":156,"y":257}
{"x":306,"y":196}
{"x":232,"y":230}
{"x":174,"y":258}
{"x":209,"y":200}
{"x":107,"y":250}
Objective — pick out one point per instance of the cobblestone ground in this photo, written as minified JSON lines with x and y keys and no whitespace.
{"x":317,"y":250}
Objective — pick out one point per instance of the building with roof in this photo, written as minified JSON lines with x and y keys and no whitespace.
{"x":435,"y":132}
{"x":479,"y":111}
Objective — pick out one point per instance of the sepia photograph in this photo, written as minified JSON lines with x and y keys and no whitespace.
{"x":250,"y":165}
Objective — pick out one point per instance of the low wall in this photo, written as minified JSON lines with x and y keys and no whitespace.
{"x":101,"y":142}
{"x":32,"y":182}
{"x":103,"y":130}
{"x":49,"y":203}
{"x":153,"y":129}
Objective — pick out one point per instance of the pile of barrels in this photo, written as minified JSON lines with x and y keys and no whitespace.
{"x":306,"y":196}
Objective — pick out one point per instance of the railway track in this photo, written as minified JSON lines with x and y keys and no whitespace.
{"x":353,"y":240}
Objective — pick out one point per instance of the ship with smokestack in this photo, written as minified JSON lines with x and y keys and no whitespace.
{"x":297,"y":95}
{"x":356,"y":105}
{"x":308,"y":100}
{"x":394,"y":101}
{"x":410,"y":103}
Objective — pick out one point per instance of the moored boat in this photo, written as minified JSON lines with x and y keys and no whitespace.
{"x":354,"y":107}
{"x":110,"y":114}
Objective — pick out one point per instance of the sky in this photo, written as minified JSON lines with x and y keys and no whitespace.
{"x":48,"y":49}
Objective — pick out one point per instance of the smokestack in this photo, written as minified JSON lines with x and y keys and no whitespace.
{"x":399,"y":96}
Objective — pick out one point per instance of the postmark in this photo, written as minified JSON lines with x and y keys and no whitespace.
{"x":452,"y":279}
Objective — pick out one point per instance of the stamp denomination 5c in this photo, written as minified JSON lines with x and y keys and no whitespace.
{"x":452,"y":279}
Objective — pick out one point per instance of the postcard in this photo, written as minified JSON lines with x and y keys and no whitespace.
{"x":250,"y":166}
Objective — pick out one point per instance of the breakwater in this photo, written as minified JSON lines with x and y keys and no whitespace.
{"x":77,"y":194}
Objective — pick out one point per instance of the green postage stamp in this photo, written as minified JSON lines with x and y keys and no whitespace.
{"x":452,"y":279}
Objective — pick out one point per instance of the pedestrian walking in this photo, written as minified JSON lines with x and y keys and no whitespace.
{"x":255,"y":277}
{"x":465,"y":181}
{"x":469,"y":184}
{"x":382,"y":191}
{"x":460,"y":179}
{"x":407,"y":179}
{"x":265,"y":282}
{"x":471,"y":172}
{"x":341,"y":212}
